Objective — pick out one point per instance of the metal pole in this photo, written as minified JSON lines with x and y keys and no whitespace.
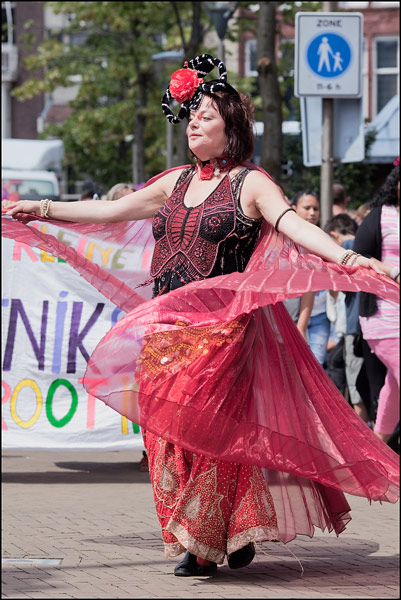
{"x":222,"y":50}
{"x":135,"y":174}
{"x":326,"y":170}
{"x":169,"y":145}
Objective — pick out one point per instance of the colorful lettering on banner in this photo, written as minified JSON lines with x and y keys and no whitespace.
{"x":50,"y":325}
{"x":12,"y":395}
{"x":13,"y":403}
{"x":4,"y":399}
{"x":49,"y":403}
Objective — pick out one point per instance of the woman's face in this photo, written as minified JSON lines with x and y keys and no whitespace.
{"x":206,"y":131}
{"x":308,"y":208}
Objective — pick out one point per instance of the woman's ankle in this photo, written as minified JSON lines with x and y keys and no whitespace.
{"x":203,"y":562}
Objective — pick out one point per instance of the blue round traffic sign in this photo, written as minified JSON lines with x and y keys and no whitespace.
{"x":328,"y":55}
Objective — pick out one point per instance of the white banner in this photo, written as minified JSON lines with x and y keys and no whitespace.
{"x":52,"y":320}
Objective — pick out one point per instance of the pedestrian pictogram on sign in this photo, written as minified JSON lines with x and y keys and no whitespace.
{"x":329,"y":55}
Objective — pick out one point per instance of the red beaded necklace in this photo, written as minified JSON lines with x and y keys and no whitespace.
{"x":208,"y":168}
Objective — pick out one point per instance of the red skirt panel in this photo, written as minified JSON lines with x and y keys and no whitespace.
{"x":209,"y":507}
{"x":247,"y":391}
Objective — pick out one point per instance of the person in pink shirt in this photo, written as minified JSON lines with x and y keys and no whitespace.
{"x":379,"y":237}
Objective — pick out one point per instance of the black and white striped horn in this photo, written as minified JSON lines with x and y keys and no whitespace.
{"x":203,"y":64}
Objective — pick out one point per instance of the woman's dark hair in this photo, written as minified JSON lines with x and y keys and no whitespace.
{"x":387,"y":194}
{"x":342,"y":223}
{"x":298,"y":195}
{"x":239,"y":118}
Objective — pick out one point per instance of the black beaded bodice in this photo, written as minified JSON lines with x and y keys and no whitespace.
{"x":192,"y":243}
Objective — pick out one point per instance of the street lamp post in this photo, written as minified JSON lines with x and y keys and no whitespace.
{"x":221,"y":13}
{"x":162,"y":60}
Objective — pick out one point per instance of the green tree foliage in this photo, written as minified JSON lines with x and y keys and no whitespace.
{"x":110,"y":46}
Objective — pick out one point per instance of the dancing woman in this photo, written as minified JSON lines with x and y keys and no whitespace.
{"x":247,"y":438}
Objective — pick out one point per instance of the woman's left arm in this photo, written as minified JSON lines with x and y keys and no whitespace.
{"x":269,"y":202}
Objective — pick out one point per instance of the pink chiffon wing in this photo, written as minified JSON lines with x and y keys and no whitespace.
{"x":113,"y":257}
{"x":108,"y":244}
{"x":246,"y":390}
{"x":218,"y":367}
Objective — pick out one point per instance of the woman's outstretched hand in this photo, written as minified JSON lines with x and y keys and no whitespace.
{"x":386,"y":269}
{"x":12,"y":207}
{"x":370,"y":263}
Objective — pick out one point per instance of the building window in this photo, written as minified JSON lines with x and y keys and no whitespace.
{"x":384,"y":4}
{"x":385,"y":71}
{"x":250,"y":58}
{"x":365,"y":5}
{"x":7,"y":22}
{"x":353,"y":5}
{"x":285,"y":65}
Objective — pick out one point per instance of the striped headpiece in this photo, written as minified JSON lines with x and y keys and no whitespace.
{"x":187,"y":85}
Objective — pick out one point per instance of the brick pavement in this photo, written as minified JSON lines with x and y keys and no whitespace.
{"x":93,"y":514}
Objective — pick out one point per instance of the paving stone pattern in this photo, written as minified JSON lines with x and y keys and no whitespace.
{"x":92,"y":513}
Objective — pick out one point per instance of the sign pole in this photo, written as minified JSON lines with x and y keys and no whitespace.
{"x":326,"y":170}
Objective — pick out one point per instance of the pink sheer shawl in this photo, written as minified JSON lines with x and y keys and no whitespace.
{"x":218,"y":367}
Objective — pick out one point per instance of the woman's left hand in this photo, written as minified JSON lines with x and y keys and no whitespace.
{"x":370,"y":263}
{"x":386,"y":269}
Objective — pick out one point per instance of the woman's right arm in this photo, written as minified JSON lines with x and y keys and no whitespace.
{"x":133,"y":207}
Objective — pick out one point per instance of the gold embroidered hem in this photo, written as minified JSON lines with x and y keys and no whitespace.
{"x":173,"y":550}
{"x":187,"y":542}
{"x":255,"y":534}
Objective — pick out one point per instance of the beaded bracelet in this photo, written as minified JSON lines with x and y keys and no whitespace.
{"x":345,"y":257}
{"x":351,"y":257}
{"x":44,"y":207}
{"x":351,"y":260}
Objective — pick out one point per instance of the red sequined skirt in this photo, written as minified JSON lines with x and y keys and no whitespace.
{"x":209,"y":507}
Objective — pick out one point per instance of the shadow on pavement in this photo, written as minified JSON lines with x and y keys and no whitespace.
{"x":82,"y":472}
{"x":304,"y":549}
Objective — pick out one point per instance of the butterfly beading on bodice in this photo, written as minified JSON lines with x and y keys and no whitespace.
{"x":201,"y":241}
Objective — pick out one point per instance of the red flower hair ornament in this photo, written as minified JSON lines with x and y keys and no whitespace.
{"x":184,"y":84}
{"x":188,"y":87}
{"x":397,"y":161}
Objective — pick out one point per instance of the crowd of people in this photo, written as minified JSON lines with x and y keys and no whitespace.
{"x":248,"y":439}
{"x":372,"y":375}
{"x":342,"y":335}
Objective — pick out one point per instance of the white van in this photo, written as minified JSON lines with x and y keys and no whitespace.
{"x":29,"y":185}
{"x":31,"y":169}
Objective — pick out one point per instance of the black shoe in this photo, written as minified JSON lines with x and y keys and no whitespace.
{"x":188,"y":567}
{"x":242,"y":557}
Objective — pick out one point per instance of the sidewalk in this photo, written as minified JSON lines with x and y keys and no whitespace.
{"x":86,"y":526}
